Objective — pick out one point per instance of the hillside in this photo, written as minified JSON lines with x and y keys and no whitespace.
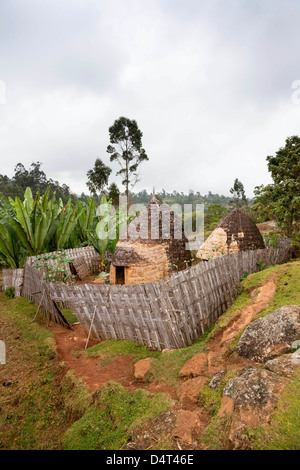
{"x":57,"y":395}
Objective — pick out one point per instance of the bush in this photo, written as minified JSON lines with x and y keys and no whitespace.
{"x":10,"y":292}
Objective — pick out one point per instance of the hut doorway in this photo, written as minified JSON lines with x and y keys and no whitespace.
{"x":120,"y":275}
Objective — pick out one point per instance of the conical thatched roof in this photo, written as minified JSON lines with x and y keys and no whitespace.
{"x":236,"y":231}
{"x":155,"y":225}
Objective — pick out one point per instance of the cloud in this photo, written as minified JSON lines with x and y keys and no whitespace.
{"x":209,"y":84}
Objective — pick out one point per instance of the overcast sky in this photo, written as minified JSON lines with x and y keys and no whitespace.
{"x":208,"y":82}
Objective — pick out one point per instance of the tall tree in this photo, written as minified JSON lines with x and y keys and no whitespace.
{"x":281,"y":199}
{"x":238,"y":193}
{"x":98,"y":177}
{"x":126,"y":148}
{"x":113,"y":194}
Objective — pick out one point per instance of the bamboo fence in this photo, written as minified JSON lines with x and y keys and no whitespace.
{"x":169,"y":314}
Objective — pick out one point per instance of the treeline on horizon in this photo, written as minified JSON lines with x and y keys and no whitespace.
{"x":37,"y":180}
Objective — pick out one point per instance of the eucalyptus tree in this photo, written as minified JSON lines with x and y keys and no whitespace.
{"x":98,"y":177}
{"x":126,"y":148}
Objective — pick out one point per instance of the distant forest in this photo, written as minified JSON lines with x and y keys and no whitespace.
{"x":180,"y":198}
{"x":37,"y":180}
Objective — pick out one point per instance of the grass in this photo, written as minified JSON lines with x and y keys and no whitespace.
{"x":108,"y":350}
{"x":288,"y":288}
{"x":287,"y":278}
{"x":46,"y":408}
{"x":69,"y":315}
{"x":76,"y":396}
{"x":115,"y":413}
{"x":215,"y":436}
{"x":31,"y":416}
{"x":210,"y":399}
{"x":41,"y":410}
{"x":283,"y":433}
{"x":167,"y":366}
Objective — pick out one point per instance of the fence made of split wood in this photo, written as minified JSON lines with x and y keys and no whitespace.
{"x":169,"y":314}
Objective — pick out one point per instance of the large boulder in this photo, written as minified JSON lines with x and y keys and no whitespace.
{"x":249,"y":400}
{"x":194,"y":366}
{"x":272,"y":335}
{"x":188,"y":392}
{"x":254,"y":388}
{"x":284,"y":365}
{"x":141,"y":369}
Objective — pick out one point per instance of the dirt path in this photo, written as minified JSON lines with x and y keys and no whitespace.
{"x":121,"y":369}
{"x":190,"y":417}
{"x":217,"y":357}
{"x":89,"y":369}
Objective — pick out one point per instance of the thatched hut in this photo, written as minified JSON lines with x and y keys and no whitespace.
{"x":152,"y":246}
{"x":236,"y":231}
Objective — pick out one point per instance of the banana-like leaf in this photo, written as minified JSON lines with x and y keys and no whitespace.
{"x":9,"y":249}
{"x":44,"y":201}
{"x":100,"y":244}
{"x":24,"y":219}
{"x":68,"y":223}
{"x":41,"y":231}
{"x":90,"y":215}
{"x":6,"y":205}
{"x":49,"y":242}
{"x":15,"y":228}
{"x":28,"y":201}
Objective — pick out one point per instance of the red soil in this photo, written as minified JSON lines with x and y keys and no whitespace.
{"x":121,"y":369}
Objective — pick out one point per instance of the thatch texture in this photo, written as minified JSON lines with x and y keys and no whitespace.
{"x":150,"y":246}
{"x":235,"y":232}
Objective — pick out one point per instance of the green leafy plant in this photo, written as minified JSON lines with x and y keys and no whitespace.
{"x":10,"y":292}
{"x":173,"y":266}
{"x":35,"y":226}
{"x":188,"y":262}
{"x":261,"y":265}
{"x":58,"y":270}
{"x":271,"y":239}
{"x":280,"y":200}
{"x":244,"y":276}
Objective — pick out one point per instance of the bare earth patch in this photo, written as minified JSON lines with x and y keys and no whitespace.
{"x":95,"y":375}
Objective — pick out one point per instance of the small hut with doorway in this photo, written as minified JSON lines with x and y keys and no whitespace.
{"x":235,"y":232}
{"x":151,"y":248}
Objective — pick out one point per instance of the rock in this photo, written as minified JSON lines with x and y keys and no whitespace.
{"x":249,"y":400}
{"x":187,"y":425}
{"x":141,"y":368}
{"x":151,"y":432}
{"x":272,"y":335}
{"x":226,"y":408}
{"x":189,"y":390}
{"x":255,"y":388}
{"x":194,"y":366}
{"x":284,"y":365}
{"x":217,"y":379}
